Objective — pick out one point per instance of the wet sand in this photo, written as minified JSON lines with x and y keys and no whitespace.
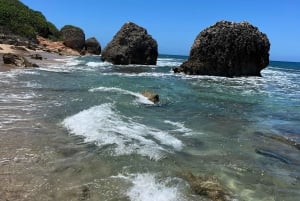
{"x":23,"y":152}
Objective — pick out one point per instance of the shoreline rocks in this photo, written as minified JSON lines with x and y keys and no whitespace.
{"x":131,"y":45}
{"x":228,"y":49}
{"x":17,"y":60}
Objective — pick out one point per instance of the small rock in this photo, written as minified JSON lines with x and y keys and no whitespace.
{"x":36,"y":56}
{"x":206,"y":186}
{"x":151,"y":96}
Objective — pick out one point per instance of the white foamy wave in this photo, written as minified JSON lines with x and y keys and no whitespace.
{"x":98,"y":64}
{"x":20,"y":97}
{"x":180,"y":127}
{"x":168,"y":62}
{"x":145,"y":74}
{"x":94,"y":64}
{"x":140,"y":98}
{"x":148,"y":187}
{"x":105,"y":126}
{"x":69,"y":61}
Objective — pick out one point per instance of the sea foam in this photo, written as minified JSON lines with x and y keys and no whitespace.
{"x":103,"y":125}
{"x":147,"y":187}
{"x":139,"y":97}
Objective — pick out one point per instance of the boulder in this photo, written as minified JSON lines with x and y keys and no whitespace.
{"x":228,"y":49}
{"x":17,"y":60}
{"x":131,"y":45}
{"x":92,"y":46}
{"x":153,"y":97}
{"x":73,"y":37}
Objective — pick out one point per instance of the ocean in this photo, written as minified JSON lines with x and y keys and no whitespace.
{"x":79,"y":129}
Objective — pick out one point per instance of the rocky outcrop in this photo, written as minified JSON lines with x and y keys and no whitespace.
{"x":17,"y":60}
{"x":228,"y":49}
{"x":131,"y":45}
{"x":92,"y":46}
{"x":73,"y":37}
{"x":57,"y":47}
{"x":12,"y":39}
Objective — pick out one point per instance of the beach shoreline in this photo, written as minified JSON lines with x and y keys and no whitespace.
{"x":49,"y":51}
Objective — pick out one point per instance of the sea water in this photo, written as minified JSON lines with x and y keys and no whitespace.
{"x":79,"y":129}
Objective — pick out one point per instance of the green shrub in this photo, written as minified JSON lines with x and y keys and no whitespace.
{"x":22,"y":20}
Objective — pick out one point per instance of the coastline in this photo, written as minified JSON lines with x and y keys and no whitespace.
{"x":44,"y":159}
{"x":49,"y":51}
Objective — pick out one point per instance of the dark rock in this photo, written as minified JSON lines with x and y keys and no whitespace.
{"x":131,"y":45}
{"x":286,"y":140}
{"x":36,"y":56}
{"x":151,"y":96}
{"x":73,"y":37}
{"x":34,"y":65}
{"x":92,"y":46}
{"x":228,"y":49}
{"x":272,"y":154}
{"x":32,"y":47}
{"x":17,"y":60}
{"x":11,"y":38}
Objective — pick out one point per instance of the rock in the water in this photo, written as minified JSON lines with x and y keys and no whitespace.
{"x":131,"y":45}
{"x":228,"y":49}
{"x":73,"y":37}
{"x":207,"y":186}
{"x":272,"y":154}
{"x":17,"y":60}
{"x":92,"y":46}
{"x":151,"y":96}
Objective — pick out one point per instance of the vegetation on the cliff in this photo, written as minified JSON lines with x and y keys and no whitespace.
{"x":19,"y":19}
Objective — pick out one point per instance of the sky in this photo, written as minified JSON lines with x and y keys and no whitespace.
{"x":176,"y":23}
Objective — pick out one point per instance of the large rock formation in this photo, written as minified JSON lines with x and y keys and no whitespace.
{"x":92,"y":46}
{"x":73,"y":37}
{"x":131,"y":45}
{"x":228,"y":49}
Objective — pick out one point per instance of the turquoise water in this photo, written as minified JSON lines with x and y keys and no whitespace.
{"x":80,"y":130}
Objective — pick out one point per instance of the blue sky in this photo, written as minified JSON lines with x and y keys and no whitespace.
{"x":176,"y":23}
